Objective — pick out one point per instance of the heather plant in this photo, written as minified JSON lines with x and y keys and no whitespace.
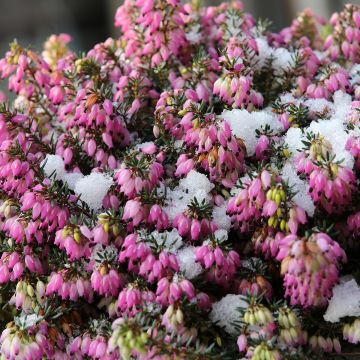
{"x":188,"y":190}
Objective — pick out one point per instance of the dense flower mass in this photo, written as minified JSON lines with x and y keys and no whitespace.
{"x":189,"y":190}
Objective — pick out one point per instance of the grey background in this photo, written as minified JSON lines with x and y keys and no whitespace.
{"x":91,"y":21}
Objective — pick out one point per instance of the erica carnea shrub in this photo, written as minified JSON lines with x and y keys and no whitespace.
{"x":189,"y":190}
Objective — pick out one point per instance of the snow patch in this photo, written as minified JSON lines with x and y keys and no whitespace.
{"x":170,"y":240}
{"x":293,"y":140}
{"x":194,"y":185}
{"x":225,"y":312}
{"x":54,"y":165}
{"x":92,"y":189}
{"x":243,"y":125}
{"x":72,"y":179}
{"x":344,"y":302}
{"x":300,"y":187}
{"x":187,"y":263}
{"x":220,"y":218}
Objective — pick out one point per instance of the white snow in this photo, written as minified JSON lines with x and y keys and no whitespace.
{"x":282,"y":58}
{"x":194,"y":35}
{"x":178,"y":144}
{"x":321,"y":55}
{"x":225,"y":312}
{"x":344,"y":302}
{"x":355,"y":74}
{"x":54,"y":164}
{"x":342,"y":105}
{"x":250,"y":263}
{"x":220,"y":218}
{"x":334,"y":131}
{"x":201,"y":195}
{"x":72,"y":179}
{"x":194,"y":185}
{"x":233,"y":24}
{"x":142,"y":145}
{"x":265,"y":52}
{"x":21,"y":102}
{"x":31,"y":320}
{"x":300,"y":187}
{"x":195,"y":181}
{"x":92,"y":189}
{"x":177,"y":201}
{"x":293,"y":139}
{"x":100,"y":252}
{"x":288,"y":98}
{"x":171,"y":240}
{"x":320,"y":106}
{"x":243,"y":125}
{"x":221,"y":235}
{"x":187,"y":263}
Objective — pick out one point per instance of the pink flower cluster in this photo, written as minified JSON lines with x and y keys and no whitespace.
{"x":187,"y":190}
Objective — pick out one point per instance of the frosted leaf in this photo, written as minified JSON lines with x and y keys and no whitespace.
{"x":225,"y":312}
{"x":344,"y":302}
{"x":54,"y":163}
{"x":26,"y":321}
{"x":171,"y":240}
{"x":100,"y":252}
{"x":243,"y":125}
{"x":300,"y":187}
{"x":233,"y":24}
{"x":93,"y":189}
{"x":187,"y":263}
{"x":220,"y":218}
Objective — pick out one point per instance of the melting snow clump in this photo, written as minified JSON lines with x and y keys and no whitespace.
{"x":243,"y":125}
{"x":194,"y":185}
{"x":220,"y":218}
{"x":187,"y":263}
{"x":225,"y":312}
{"x":300,"y":187}
{"x":54,"y":164}
{"x":170,"y":240}
{"x":93,"y":188}
{"x":344,"y":302}
{"x":293,"y":140}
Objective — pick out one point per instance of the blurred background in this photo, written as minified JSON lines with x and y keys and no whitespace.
{"x":91,"y":21}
